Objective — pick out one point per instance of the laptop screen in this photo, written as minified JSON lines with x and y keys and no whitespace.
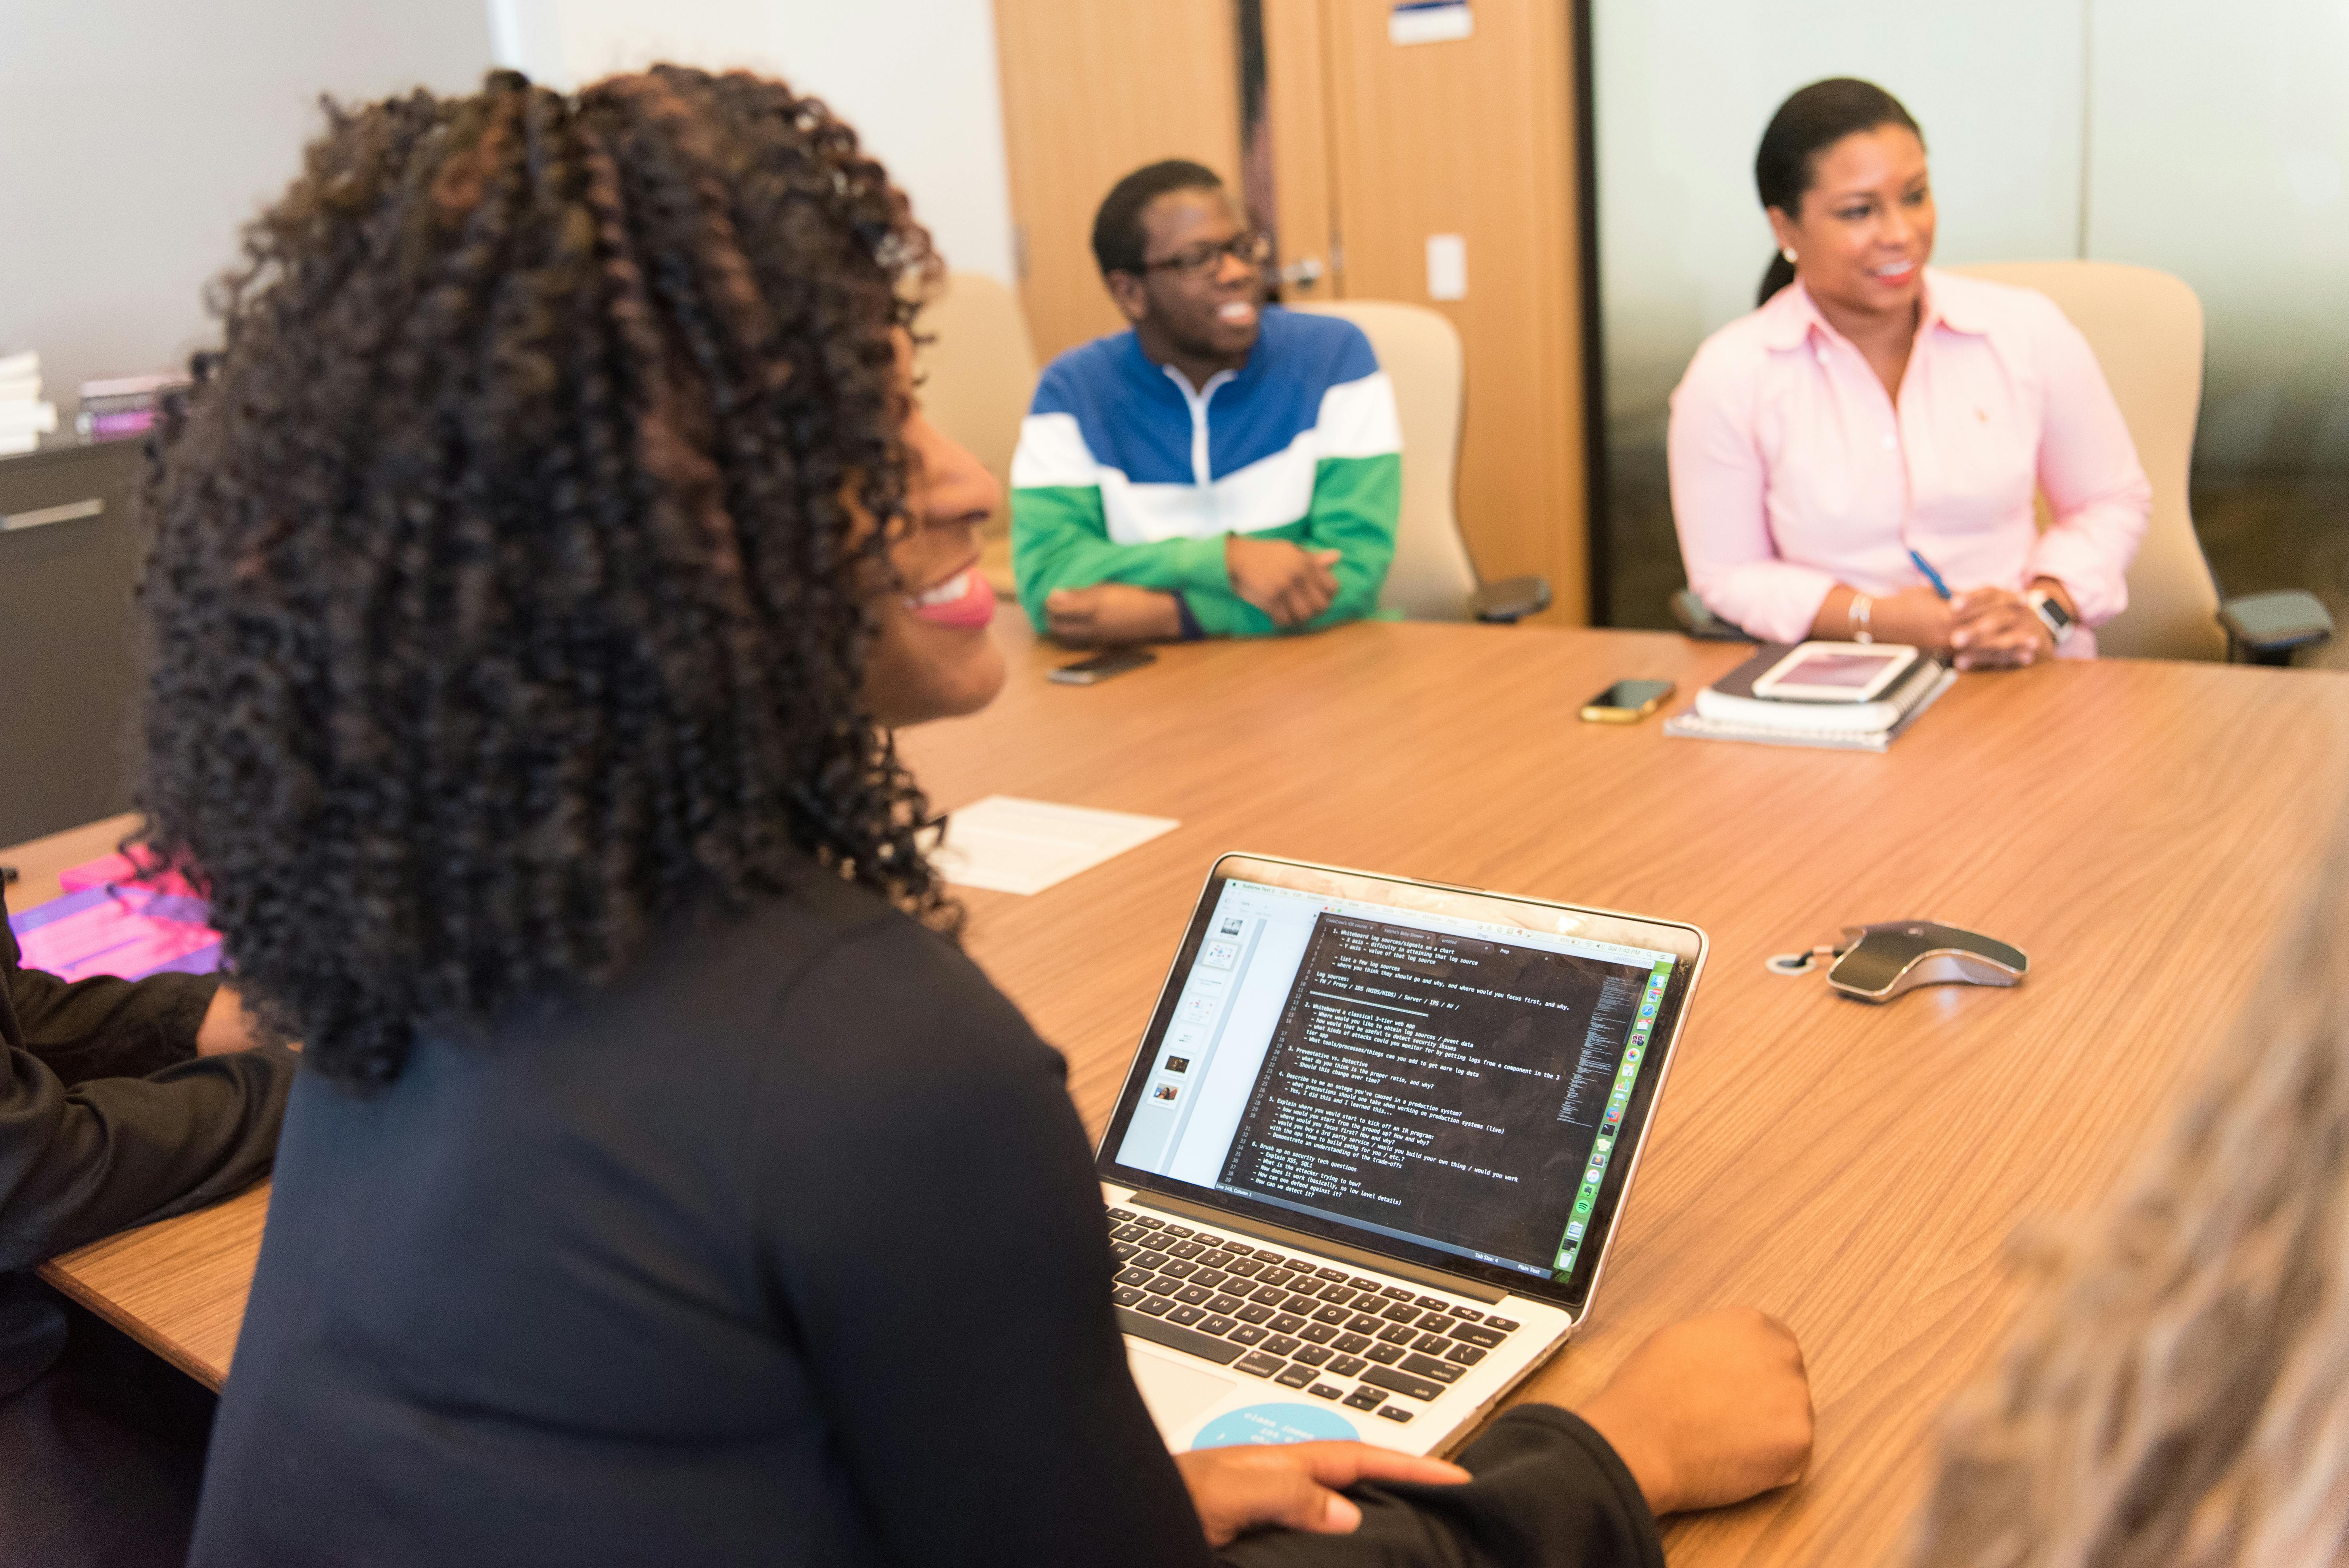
{"x":1416,"y":1080}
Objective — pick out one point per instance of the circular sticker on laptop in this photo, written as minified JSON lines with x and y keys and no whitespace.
{"x":1273,"y":1424}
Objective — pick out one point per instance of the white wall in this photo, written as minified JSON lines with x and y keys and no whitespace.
{"x":916,"y":78}
{"x":138,"y":135}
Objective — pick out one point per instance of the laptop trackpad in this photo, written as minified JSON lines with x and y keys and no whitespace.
{"x":1176,"y":1394}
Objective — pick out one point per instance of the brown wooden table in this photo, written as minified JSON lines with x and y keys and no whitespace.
{"x":2140,"y":830}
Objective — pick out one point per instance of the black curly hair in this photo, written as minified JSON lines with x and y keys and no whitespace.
{"x":1119,"y":240}
{"x":509,"y":590}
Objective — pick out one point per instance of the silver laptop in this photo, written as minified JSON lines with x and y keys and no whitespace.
{"x":1364,"y":1170}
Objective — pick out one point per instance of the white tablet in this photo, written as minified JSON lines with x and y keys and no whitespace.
{"x":1835,"y":672}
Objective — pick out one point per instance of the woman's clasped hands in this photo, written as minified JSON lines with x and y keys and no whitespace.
{"x":1979,"y":628}
{"x":1993,"y":629}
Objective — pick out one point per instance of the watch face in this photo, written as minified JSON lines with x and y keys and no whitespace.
{"x":2051,"y":610}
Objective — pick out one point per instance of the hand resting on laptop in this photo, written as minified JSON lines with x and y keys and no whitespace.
{"x":1708,"y":1411}
{"x":1294,"y":1486}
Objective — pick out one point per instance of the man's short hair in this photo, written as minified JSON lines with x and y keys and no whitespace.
{"x":1118,"y":239}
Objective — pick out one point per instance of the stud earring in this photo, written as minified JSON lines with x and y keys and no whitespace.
{"x":1789,"y":254}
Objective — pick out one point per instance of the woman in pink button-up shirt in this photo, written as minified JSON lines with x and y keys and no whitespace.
{"x":1872,"y":408}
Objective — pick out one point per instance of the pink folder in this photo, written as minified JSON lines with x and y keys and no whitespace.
{"x":125,"y":930}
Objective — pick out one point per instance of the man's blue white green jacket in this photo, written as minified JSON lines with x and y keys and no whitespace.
{"x":1125,"y":474}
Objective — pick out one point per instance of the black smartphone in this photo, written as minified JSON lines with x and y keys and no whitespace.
{"x":1101,"y":666}
{"x":1626,"y":701}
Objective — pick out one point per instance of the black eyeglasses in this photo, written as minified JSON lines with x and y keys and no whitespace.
{"x":1249,"y":250}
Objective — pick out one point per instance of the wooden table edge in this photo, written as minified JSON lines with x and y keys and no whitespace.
{"x":64,"y":1274}
{"x":142,"y":1330}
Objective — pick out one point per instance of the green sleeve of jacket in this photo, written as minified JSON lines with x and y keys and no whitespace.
{"x":1060,"y":539}
{"x":1356,"y":503}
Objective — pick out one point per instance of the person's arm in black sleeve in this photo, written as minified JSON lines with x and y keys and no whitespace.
{"x":108,"y":1119}
{"x":105,"y":1027}
{"x":1549,"y":1490}
{"x":939,"y":1249}
{"x":78,"y":1164}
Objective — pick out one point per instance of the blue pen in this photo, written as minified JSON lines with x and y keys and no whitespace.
{"x":1930,"y":575}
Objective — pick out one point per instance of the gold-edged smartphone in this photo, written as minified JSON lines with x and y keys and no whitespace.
{"x":1626,"y":701}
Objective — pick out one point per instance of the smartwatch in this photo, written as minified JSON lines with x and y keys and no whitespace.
{"x":2051,"y":613}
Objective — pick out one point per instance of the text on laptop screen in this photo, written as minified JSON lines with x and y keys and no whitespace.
{"x":1442,"y":1081}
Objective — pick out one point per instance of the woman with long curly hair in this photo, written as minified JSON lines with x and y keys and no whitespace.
{"x":541,"y":564}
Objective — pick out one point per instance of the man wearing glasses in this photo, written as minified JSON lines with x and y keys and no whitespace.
{"x":1226,"y":468}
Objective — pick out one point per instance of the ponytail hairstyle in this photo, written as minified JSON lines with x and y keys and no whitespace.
{"x":1813,"y":120}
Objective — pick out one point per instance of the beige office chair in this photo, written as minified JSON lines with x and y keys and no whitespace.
{"x":2146,"y":328}
{"x":977,"y":375}
{"x":1433,"y":578}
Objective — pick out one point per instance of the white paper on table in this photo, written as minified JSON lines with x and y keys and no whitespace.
{"x":1010,"y":845}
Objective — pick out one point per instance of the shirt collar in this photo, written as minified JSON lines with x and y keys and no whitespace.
{"x":1792,"y":315}
{"x":1253,"y":370}
{"x":1789,"y":316}
{"x":1220,"y":379}
{"x":1951,"y":308}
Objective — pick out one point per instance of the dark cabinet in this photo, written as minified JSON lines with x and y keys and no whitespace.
{"x":70,"y":549}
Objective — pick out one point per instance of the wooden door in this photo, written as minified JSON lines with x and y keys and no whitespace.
{"x":1093,"y":89}
{"x":1475,"y":138}
{"x":1297,"y":113}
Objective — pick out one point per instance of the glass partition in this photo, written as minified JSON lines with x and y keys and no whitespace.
{"x":2217,"y":152}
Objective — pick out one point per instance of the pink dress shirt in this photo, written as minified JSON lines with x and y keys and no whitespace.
{"x":1792,"y":472}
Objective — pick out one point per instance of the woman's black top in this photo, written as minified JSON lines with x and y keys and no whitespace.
{"x":786,"y":1250}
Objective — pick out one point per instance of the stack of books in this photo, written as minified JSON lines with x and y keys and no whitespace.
{"x":125,"y":406}
{"x":24,"y":418}
{"x":1728,"y":710}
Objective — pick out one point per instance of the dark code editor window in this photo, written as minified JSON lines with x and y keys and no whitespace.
{"x":1443,"y":1085}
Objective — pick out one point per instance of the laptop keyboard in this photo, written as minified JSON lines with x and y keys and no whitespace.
{"x":1363,"y":1343}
